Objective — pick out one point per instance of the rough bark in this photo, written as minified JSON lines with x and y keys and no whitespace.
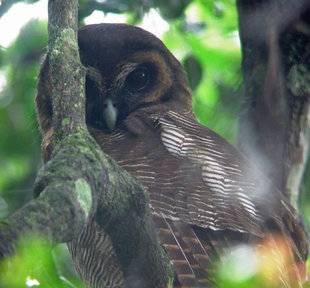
{"x":274,"y":117}
{"x":68,"y":74}
{"x":80,"y":182}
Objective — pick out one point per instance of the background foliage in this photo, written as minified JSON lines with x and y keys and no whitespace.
{"x":203,"y":35}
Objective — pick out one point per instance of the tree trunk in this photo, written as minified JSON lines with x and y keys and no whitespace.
{"x":274,"y":118}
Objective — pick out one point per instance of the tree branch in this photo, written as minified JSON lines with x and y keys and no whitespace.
{"x":68,"y":74}
{"x":80,"y":182}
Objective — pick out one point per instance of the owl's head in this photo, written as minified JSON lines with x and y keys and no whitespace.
{"x":128,"y":70}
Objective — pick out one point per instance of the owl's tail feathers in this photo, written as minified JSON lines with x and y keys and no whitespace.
{"x":291,"y":243}
{"x":188,"y":255}
{"x":196,"y":252}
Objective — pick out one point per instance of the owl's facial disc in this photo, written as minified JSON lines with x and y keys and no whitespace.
{"x":110,"y":100}
{"x":141,"y":81}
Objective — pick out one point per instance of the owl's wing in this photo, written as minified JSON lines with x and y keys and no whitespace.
{"x":205,"y":197}
{"x":213,"y":198}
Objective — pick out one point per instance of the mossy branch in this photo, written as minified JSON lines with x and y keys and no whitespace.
{"x":80,"y":183}
{"x":68,"y":74}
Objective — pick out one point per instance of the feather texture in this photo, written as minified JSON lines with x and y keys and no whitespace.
{"x":96,"y":261}
{"x":204,"y":198}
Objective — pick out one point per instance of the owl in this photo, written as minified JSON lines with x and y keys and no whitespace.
{"x":205,"y":197}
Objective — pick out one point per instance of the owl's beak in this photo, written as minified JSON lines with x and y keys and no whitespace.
{"x":110,"y":114}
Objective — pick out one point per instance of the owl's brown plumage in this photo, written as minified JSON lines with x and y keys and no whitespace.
{"x":204,"y":195}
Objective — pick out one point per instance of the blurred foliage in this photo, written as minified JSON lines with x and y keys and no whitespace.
{"x":203,"y":35}
{"x":34,"y":265}
{"x":19,"y":145}
{"x":246,"y":266}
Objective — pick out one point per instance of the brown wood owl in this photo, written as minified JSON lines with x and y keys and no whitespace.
{"x":205,"y":196}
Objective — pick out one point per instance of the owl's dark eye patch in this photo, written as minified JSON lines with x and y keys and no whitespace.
{"x":138,"y":79}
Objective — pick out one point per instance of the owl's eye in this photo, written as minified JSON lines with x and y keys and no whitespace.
{"x":138,"y":79}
